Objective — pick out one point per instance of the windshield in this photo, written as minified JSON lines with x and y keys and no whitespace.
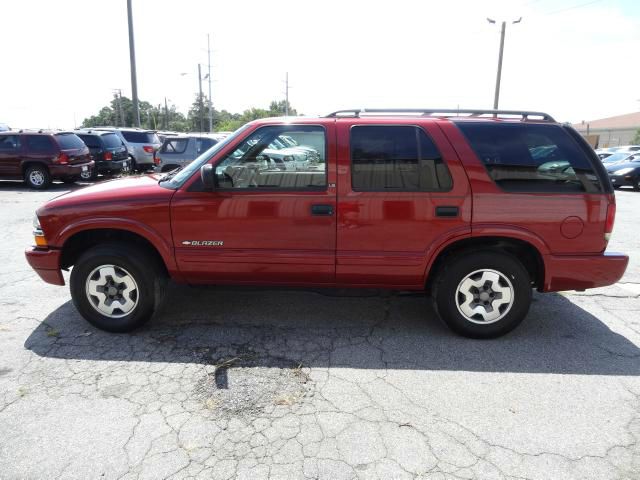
{"x":616,"y":157}
{"x":183,"y":175}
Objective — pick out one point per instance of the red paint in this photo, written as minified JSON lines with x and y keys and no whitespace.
{"x":376,"y":239}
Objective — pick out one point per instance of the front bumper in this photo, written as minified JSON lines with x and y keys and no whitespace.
{"x":579,"y":272}
{"x":46,"y":263}
{"x":73,"y":170}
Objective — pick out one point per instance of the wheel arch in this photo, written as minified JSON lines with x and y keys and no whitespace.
{"x":526,"y":252}
{"x":79,"y":240}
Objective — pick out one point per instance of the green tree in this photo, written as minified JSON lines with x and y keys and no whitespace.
{"x":636,"y":138}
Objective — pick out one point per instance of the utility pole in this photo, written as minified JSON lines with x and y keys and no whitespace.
{"x":496,"y":96}
{"x":166,"y":115}
{"x":209,"y":75}
{"x":201,"y":102}
{"x":286,"y":93}
{"x":117,"y":93}
{"x":132,"y":60}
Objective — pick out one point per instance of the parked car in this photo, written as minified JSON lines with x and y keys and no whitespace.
{"x":178,"y":151}
{"x":617,"y":157}
{"x":452,"y":203}
{"x":108,"y":151}
{"x":38,"y":157}
{"x":140,"y":143}
{"x":162,"y":135}
{"x":625,"y":173}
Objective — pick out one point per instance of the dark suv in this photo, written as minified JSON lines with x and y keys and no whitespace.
{"x":108,"y":151}
{"x":465,"y":206}
{"x":39,"y":157}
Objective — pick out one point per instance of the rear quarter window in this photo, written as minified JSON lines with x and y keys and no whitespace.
{"x":39,"y":143}
{"x":141,"y":137}
{"x":531,"y":157}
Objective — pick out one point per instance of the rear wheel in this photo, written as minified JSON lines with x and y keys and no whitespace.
{"x":483,"y":294}
{"x":37,"y":177}
{"x":117,"y":287}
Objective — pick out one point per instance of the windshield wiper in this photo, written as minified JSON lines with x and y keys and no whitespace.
{"x":169,"y":175}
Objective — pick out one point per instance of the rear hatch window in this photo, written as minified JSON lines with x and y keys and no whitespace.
{"x":175,"y":145}
{"x":141,"y":137}
{"x":531,"y":157}
{"x":111,"y":140}
{"x":69,"y":141}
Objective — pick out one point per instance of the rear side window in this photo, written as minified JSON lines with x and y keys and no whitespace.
{"x":39,"y":143}
{"x":175,"y":145}
{"x":111,"y":140}
{"x":91,"y":141}
{"x":69,"y":141}
{"x":204,"y":144}
{"x":400,"y":158}
{"x":531,"y":157}
{"x":140,"y":137}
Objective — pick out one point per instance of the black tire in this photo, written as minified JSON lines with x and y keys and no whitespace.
{"x":636,"y":184}
{"x":147,"y":274}
{"x":133,"y":165}
{"x":90,"y":176}
{"x":449,"y":278}
{"x":37,"y":177}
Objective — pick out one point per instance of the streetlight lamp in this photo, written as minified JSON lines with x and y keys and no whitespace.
{"x":504,"y":26}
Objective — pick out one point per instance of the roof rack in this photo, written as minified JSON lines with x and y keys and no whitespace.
{"x":440,"y":112}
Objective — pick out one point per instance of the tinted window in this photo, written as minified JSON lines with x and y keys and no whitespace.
{"x":531,"y":157}
{"x":399,"y":158}
{"x":175,"y":145}
{"x":39,"y":143}
{"x":68,"y":141}
{"x":111,"y":140}
{"x":91,"y":141}
{"x":140,"y":137}
{"x":255,"y":163}
{"x":9,"y":142}
{"x":204,"y":144}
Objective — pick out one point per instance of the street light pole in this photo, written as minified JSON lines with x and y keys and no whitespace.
{"x":209,"y":75}
{"x":200,"y":100}
{"x":132,"y":60}
{"x":496,"y":96}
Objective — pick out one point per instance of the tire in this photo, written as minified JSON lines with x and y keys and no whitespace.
{"x":141,"y":283}
{"x":37,"y":177}
{"x":486,"y":268}
{"x":133,"y":166}
{"x":89,"y":176}
{"x":636,"y":184}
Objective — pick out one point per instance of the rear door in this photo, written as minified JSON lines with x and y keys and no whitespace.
{"x":262,"y":225}
{"x":402,"y":194}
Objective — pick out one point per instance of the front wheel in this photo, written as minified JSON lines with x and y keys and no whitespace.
{"x":483,"y":294}
{"x":116,"y":287}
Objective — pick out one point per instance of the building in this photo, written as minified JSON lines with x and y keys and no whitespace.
{"x":611,"y":131}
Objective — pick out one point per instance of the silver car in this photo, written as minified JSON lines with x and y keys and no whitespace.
{"x":141,"y":144}
{"x":182,"y":149}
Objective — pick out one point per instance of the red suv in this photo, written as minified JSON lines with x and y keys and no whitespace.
{"x":38,"y":157}
{"x":474,"y":207}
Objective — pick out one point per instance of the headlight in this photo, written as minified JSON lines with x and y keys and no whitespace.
{"x":624,"y":171}
{"x":38,"y":234}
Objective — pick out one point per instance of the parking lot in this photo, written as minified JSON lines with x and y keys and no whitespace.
{"x":254,"y":383}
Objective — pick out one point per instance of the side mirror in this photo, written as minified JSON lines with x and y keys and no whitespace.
{"x":208,"y":175}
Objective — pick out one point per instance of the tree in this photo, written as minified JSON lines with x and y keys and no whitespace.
{"x":636,"y":138}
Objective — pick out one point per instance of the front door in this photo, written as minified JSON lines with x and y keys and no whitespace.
{"x":403,"y":193}
{"x":271,"y":218}
{"x":10,"y":156}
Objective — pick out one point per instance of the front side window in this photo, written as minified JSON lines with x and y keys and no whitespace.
{"x":396,"y":158}
{"x":531,"y":157}
{"x":175,"y":145}
{"x":264,"y":161}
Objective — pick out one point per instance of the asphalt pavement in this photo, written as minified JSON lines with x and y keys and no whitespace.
{"x":272,"y":384}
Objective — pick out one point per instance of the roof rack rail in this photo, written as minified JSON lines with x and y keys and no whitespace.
{"x":440,"y":112}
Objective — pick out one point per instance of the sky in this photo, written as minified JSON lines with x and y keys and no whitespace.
{"x":575,"y":59}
